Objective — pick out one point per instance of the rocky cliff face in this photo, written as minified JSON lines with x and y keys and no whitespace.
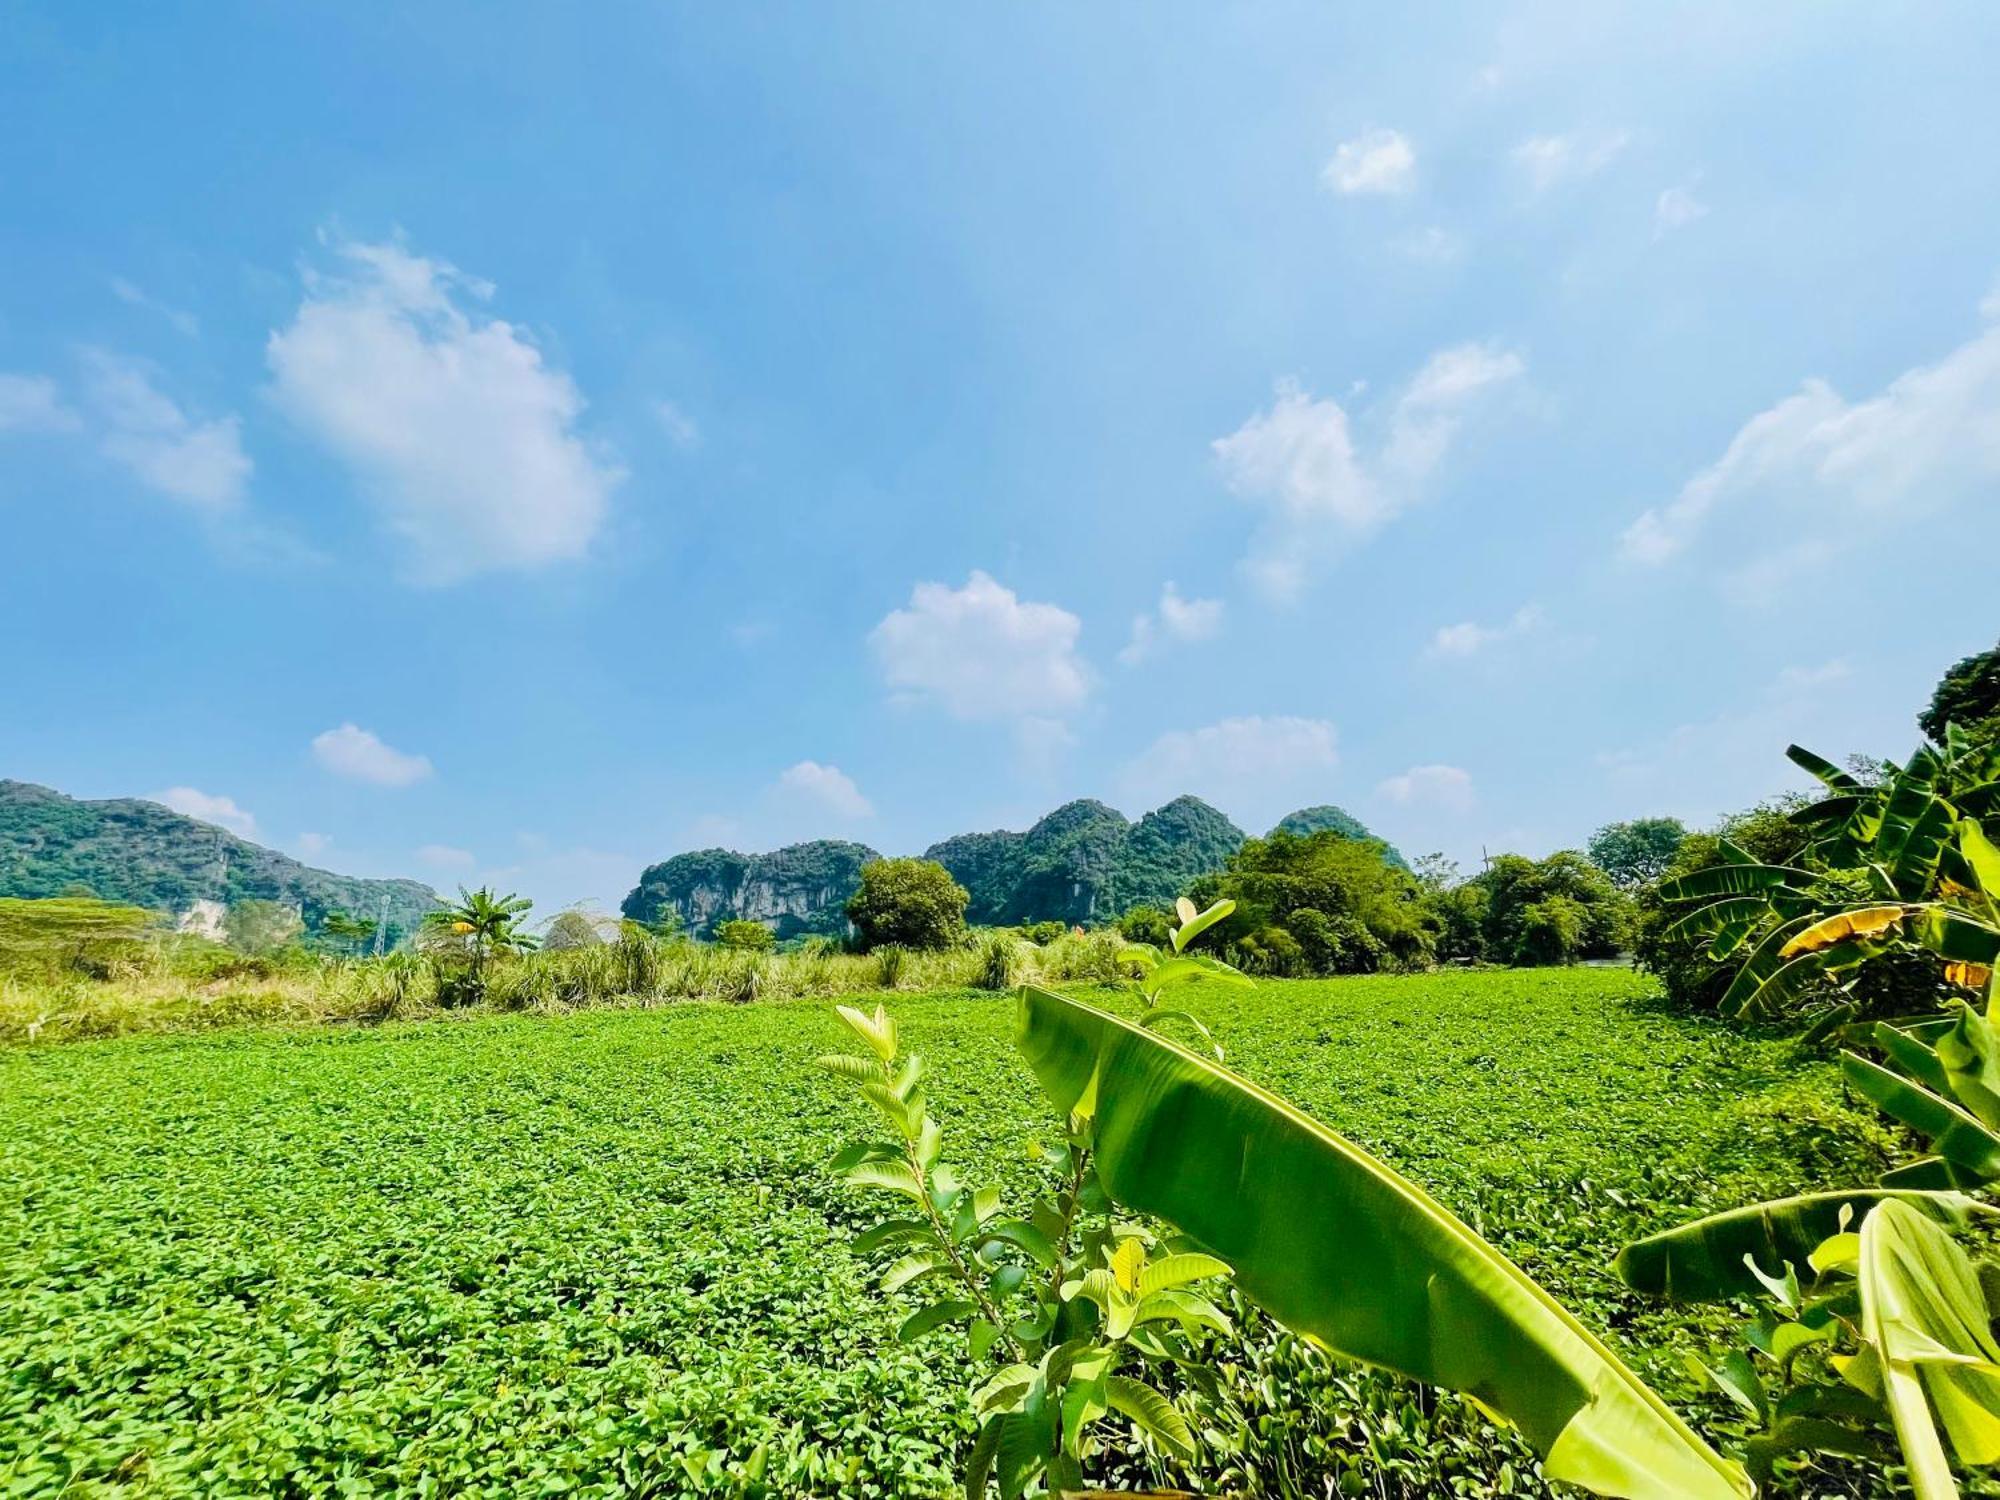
{"x":797,"y":890}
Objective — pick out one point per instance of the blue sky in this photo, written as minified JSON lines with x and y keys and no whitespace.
{"x":484,"y":442}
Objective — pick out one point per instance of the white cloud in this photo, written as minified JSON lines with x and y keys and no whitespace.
{"x":681,"y":429}
{"x":1177,"y":619}
{"x":1446,"y":788}
{"x":1301,"y":463}
{"x":32,"y":403}
{"x":1376,"y":161}
{"x":1676,"y":208}
{"x":359,"y":755}
{"x":313,"y":844}
{"x":982,"y":653}
{"x":1263,"y":765}
{"x":1469,"y":638}
{"x":1550,"y":160}
{"x":221,"y":811}
{"x":462,"y":437}
{"x":201,"y":464}
{"x":1928,"y":440}
{"x":445,"y":857}
{"x":134,"y":296}
{"x":825,"y":789}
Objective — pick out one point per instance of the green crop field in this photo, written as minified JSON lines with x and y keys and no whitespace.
{"x":600,"y":1253}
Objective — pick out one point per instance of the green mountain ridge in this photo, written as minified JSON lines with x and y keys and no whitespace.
{"x":1084,"y":862}
{"x":127,"y":849}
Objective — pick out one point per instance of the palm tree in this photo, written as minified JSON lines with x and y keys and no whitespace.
{"x":486,"y":924}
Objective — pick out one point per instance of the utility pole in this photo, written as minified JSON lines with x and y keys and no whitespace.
{"x":382,"y":925}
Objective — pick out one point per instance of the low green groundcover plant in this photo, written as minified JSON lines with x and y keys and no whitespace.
{"x":599,"y":1253}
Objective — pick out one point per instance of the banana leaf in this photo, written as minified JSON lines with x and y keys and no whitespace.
{"x":1824,"y":769}
{"x":1339,"y":1247}
{"x":1953,"y":1133}
{"x":1703,"y":1261}
{"x":1734,"y":880}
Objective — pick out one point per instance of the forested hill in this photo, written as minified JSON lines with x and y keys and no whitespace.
{"x":1084,"y":862}
{"x":125,"y":849}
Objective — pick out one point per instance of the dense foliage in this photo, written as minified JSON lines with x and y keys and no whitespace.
{"x":753,"y":936}
{"x":907,"y":903}
{"x":72,"y":935}
{"x":1551,"y":911}
{"x":1636,"y":853}
{"x":598,"y":1253}
{"x":1321,"y":903}
{"x":1326,"y":818}
{"x":1968,"y":695}
{"x":141,"y":854}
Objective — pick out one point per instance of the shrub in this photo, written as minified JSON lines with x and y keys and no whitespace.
{"x":1591,"y":918}
{"x":1146,"y":924}
{"x":1041,"y":934}
{"x":999,"y":963}
{"x":572,"y":929}
{"x":890,"y":961}
{"x":913,"y":903}
{"x":754,"y":937}
{"x":1359,"y":912}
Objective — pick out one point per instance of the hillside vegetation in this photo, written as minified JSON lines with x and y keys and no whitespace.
{"x":140,"y":853}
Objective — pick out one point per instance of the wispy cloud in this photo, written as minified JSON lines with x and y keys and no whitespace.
{"x":1549,"y":161}
{"x":1259,"y":765}
{"x":1299,"y":461}
{"x":199,"y":463}
{"x":34,"y":403}
{"x":1376,"y":161}
{"x":1442,"y":788}
{"x":1176,"y":619}
{"x":1676,"y":208}
{"x":133,"y":296}
{"x":360,"y":755}
{"x":1469,"y":637}
{"x":681,"y":429}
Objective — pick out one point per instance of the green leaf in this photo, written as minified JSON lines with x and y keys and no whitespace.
{"x":1705,"y":1260}
{"x":1953,"y":1134}
{"x":1170,"y":1271}
{"x":1194,"y":926}
{"x":913,"y":1268}
{"x":860,"y":1069}
{"x":936,"y":1315}
{"x":878,"y":1030}
{"x":1024,"y":1236}
{"x":979,"y":1465}
{"x":1969,"y":1058}
{"x":1338,"y":1246}
{"x":1954,"y":935}
{"x":891,"y":1232}
{"x":1923,"y":1312}
{"x":1824,"y":769}
{"x":1732,"y":880}
{"x":1911,"y":1057}
{"x":893,"y":1176}
{"x":1152,"y":1413}
{"x":1760,"y":966}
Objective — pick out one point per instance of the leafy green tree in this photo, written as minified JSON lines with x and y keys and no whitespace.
{"x":913,"y":903}
{"x":258,"y":927}
{"x":1521,"y":927}
{"x":346,"y":933}
{"x":1636,"y":853}
{"x":481,"y":924}
{"x":1145,"y":924}
{"x":741,"y":933}
{"x":1968,"y":695}
{"x":1365,"y":913}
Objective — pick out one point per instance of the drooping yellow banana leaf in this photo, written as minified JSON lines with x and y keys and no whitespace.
{"x":1336,"y":1245}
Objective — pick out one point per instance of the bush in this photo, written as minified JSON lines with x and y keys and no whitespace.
{"x":753,"y":937}
{"x":913,"y":903}
{"x":1041,"y":934}
{"x":1146,"y":924}
{"x":258,"y":927}
{"x":1553,"y":910}
{"x":999,"y":962}
{"x":890,"y":961}
{"x":1320,"y":903}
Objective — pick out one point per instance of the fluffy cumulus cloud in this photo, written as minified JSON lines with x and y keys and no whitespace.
{"x":982,"y":653}
{"x":824,"y":789}
{"x":34,"y":403}
{"x":1441,"y":788}
{"x":1469,"y":637}
{"x":199,"y":463}
{"x":1376,"y":161}
{"x":1257,"y":766}
{"x":1321,"y":486}
{"x":1548,"y":161}
{"x":1824,"y":468}
{"x":210,"y":808}
{"x":461,"y":434}
{"x":1176,"y":619}
{"x":359,"y":755}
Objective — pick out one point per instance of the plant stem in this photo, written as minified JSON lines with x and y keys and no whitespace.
{"x":964,"y":1272}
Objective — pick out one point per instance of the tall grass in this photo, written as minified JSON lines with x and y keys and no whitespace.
{"x":193,"y":986}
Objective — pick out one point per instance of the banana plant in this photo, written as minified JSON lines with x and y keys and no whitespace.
{"x":1070,"y":1307}
{"x":1157,"y":973}
{"x":1342,"y":1249}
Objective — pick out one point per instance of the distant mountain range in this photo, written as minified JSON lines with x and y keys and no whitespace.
{"x":1084,"y":862}
{"x":125,"y":849}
